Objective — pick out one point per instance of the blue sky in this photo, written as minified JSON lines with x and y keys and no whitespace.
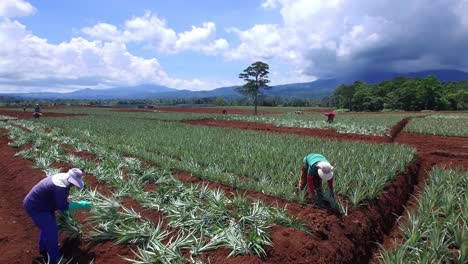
{"x":68,"y":45}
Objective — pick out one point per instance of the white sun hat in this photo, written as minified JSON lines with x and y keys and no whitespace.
{"x":75,"y":177}
{"x":325,"y":170}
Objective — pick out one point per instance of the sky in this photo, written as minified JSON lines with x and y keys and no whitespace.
{"x":62,"y":46}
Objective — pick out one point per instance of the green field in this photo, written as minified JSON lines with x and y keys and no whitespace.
{"x":440,"y":124}
{"x":263,"y":162}
{"x":365,"y":124}
{"x":205,"y":218}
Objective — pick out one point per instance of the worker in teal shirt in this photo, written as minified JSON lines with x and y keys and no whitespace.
{"x":314,"y":169}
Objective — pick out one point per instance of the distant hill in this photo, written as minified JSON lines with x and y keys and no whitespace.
{"x":136,"y":92}
{"x":310,"y":90}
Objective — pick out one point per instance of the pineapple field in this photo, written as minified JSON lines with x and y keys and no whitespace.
{"x":196,"y":185}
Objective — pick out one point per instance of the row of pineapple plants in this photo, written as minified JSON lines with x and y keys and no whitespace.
{"x":205,"y":219}
{"x":437,"y":230}
{"x":440,"y":124}
{"x":363,"y":124}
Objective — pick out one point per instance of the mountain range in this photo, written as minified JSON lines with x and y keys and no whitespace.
{"x":309,"y":90}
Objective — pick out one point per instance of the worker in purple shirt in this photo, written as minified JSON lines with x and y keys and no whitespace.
{"x":48,"y":196}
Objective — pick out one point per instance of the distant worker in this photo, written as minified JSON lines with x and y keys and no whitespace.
{"x":46,"y":197}
{"x":330,"y":117}
{"x":24,"y":108}
{"x":224,"y":111}
{"x":314,"y":169}
{"x":37,"y":111}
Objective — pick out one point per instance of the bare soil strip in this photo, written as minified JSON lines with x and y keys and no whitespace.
{"x":396,"y":129}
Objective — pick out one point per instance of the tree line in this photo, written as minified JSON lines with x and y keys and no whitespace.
{"x":205,"y":101}
{"x":409,"y":94}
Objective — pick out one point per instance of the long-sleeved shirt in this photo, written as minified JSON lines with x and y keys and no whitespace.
{"x":45,"y":196}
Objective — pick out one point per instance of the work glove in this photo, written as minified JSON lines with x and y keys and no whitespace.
{"x":80,"y":205}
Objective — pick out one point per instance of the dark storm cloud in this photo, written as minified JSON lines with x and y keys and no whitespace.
{"x":398,"y":36}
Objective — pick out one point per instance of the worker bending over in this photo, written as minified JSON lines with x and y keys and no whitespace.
{"x":330,"y":117}
{"x":314,"y":169}
{"x":46,"y":197}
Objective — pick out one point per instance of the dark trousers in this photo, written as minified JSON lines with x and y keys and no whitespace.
{"x":48,"y":238}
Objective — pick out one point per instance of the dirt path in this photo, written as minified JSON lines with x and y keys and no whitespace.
{"x":18,"y":235}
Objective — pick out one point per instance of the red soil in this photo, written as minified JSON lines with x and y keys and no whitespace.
{"x":396,"y":129}
{"x":203,"y":110}
{"x":28,"y":115}
{"x":81,"y":154}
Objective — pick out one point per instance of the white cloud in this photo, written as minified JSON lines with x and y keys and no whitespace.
{"x":291,"y":76}
{"x":103,"y":31}
{"x":154,"y":32}
{"x":15,"y":8}
{"x":262,"y":42}
{"x":270,"y":4}
{"x":28,"y":61}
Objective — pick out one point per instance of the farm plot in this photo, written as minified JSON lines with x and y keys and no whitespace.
{"x":304,"y":246}
{"x":266,"y":163}
{"x":331,"y":231}
{"x":440,"y":124}
{"x":437,"y":231}
{"x":365,"y":124}
{"x":203,"y":219}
